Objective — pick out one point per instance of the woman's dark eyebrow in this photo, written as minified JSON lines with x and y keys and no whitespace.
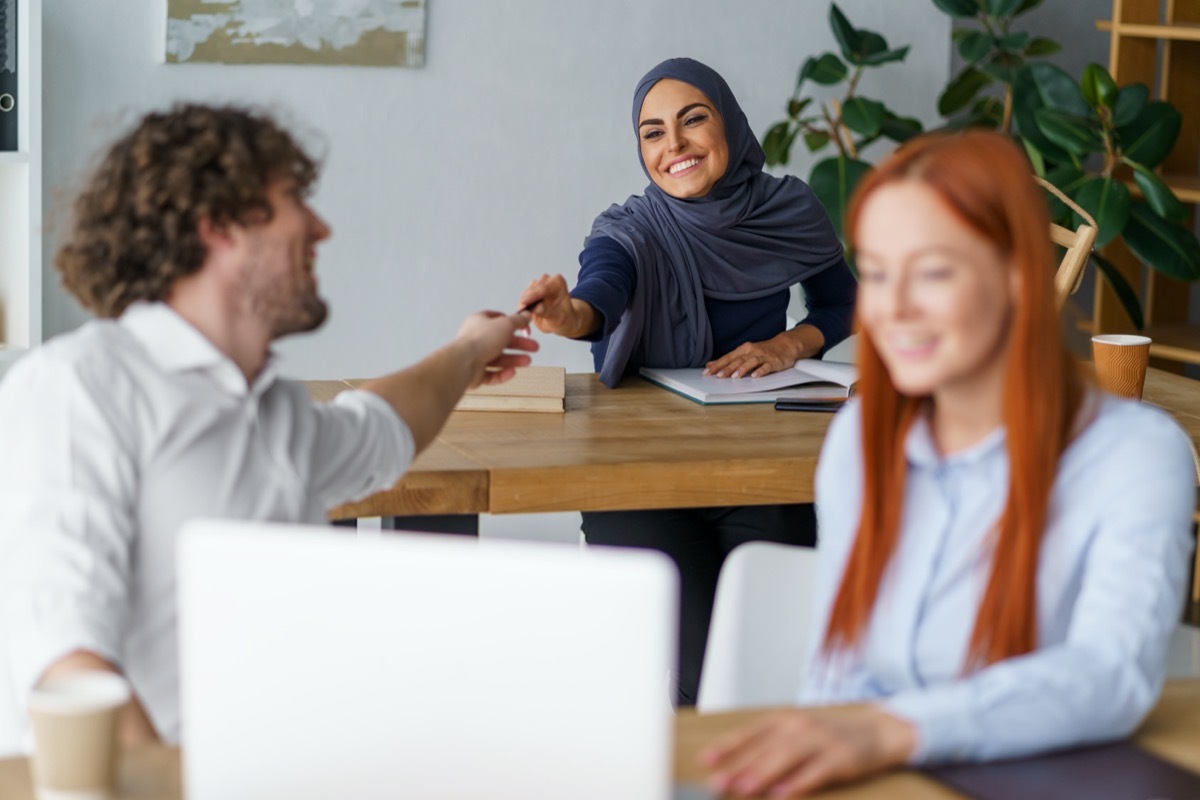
{"x":678,"y":114}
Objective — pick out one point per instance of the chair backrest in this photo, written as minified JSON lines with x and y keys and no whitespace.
{"x":760,"y":625}
{"x":1078,"y":244}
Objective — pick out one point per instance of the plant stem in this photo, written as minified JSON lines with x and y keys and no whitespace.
{"x":842,"y":131}
{"x":835,"y":127}
{"x":1006,"y":119}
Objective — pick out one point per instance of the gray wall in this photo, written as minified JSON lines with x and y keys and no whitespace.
{"x":451,"y":186}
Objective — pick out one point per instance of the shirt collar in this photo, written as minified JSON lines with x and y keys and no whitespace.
{"x":921,"y":450}
{"x":175,"y":345}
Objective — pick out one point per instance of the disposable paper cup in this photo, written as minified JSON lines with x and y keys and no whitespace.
{"x":75,"y":735}
{"x":1121,"y":363}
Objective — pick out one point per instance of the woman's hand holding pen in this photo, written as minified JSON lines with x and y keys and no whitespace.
{"x":554,"y":310}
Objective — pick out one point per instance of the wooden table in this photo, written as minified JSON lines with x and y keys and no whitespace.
{"x":1172,"y":731}
{"x":637,"y":446}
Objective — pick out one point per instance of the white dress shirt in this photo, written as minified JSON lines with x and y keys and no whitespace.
{"x":115,"y":435}
{"x":1110,"y":585}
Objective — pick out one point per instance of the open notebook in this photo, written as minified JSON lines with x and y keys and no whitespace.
{"x":809,"y":379}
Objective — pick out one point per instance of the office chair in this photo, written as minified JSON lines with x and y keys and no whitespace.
{"x":758,"y":637}
{"x":1078,"y":244}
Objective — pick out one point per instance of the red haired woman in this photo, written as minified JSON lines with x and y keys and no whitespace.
{"x":1003,"y":548}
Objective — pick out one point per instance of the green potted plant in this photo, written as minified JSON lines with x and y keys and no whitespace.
{"x":992,"y":53}
{"x":1088,"y":138}
{"x":848,"y":124}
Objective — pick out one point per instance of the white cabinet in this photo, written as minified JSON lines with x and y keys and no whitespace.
{"x":21,"y":199}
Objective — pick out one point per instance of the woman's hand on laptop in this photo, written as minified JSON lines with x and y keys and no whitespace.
{"x":791,"y":752}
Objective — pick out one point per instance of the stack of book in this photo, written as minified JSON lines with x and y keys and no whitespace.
{"x":539,"y":389}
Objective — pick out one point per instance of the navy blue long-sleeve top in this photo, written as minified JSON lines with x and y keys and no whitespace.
{"x":608,"y":275}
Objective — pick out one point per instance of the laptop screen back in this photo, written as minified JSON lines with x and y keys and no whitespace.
{"x":317,"y":664}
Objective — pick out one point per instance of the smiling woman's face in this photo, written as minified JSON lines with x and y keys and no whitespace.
{"x":682,"y":139}
{"x":934,"y":296}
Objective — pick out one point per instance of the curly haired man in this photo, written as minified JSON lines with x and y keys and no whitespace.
{"x":194,"y":245}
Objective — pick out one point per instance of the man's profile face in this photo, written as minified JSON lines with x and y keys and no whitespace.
{"x":278,"y":275}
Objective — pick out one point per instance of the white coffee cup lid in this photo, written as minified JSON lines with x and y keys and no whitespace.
{"x":1121,"y":339}
{"x":78,"y":692}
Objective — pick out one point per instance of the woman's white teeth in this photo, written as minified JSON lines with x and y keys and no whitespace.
{"x":682,"y":165}
{"x":911,"y":341}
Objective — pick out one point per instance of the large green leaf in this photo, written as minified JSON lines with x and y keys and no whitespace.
{"x":1002,"y":8}
{"x":796,"y":106}
{"x":833,"y":181}
{"x":1099,"y":89}
{"x":825,"y":69}
{"x":899,"y":129}
{"x":1068,"y":179}
{"x":1108,"y":202}
{"x":1003,"y":66}
{"x":863,"y":116}
{"x":815,"y":140}
{"x":974,"y":45}
{"x":962,"y":90}
{"x":846,"y":34}
{"x":1013,"y":42}
{"x":1131,"y":100}
{"x":1033,"y":87}
{"x":958,"y":8}
{"x":1165,"y":246}
{"x":1073,"y":134}
{"x":885,"y":56}
{"x":1027,"y":6}
{"x":870,"y":44}
{"x":1041,"y":46}
{"x":1049,"y":86}
{"x":1034,"y":156}
{"x":987,"y":112}
{"x":1158,"y":194}
{"x":774,"y":144}
{"x":1121,"y":288}
{"x":1150,"y":137}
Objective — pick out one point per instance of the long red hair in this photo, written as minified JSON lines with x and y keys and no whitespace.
{"x":986,"y":182}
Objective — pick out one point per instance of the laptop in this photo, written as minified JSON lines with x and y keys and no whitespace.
{"x":319,"y":664}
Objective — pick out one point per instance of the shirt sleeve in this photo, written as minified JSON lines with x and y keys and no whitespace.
{"x":829,"y":296}
{"x":361,"y":446}
{"x":68,"y":481}
{"x":607,"y":278}
{"x":1099,"y":682}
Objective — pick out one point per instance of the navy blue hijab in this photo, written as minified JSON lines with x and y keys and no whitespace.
{"x":751,"y":236}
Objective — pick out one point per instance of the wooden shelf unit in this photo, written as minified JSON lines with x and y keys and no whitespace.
{"x":1157,"y":43}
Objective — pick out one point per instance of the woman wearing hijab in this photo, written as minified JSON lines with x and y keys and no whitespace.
{"x":695,"y":273}
{"x":1004,"y":549}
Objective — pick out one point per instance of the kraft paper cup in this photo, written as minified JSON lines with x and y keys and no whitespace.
{"x":1121,"y":363}
{"x":74,"y":721}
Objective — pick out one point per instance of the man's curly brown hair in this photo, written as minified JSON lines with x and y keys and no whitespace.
{"x":135,"y":226}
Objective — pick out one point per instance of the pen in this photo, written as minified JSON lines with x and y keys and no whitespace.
{"x":529,"y":306}
{"x":814,"y":404}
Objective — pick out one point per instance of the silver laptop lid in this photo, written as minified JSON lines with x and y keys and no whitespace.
{"x":316,"y":664}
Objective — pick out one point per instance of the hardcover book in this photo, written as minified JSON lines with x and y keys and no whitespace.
{"x":541,"y":389}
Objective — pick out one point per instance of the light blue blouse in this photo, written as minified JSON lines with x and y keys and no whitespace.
{"x":1110,"y":587}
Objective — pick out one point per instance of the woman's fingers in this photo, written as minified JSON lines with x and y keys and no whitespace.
{"x":752,"y":359}
{"x":772,"y":756}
